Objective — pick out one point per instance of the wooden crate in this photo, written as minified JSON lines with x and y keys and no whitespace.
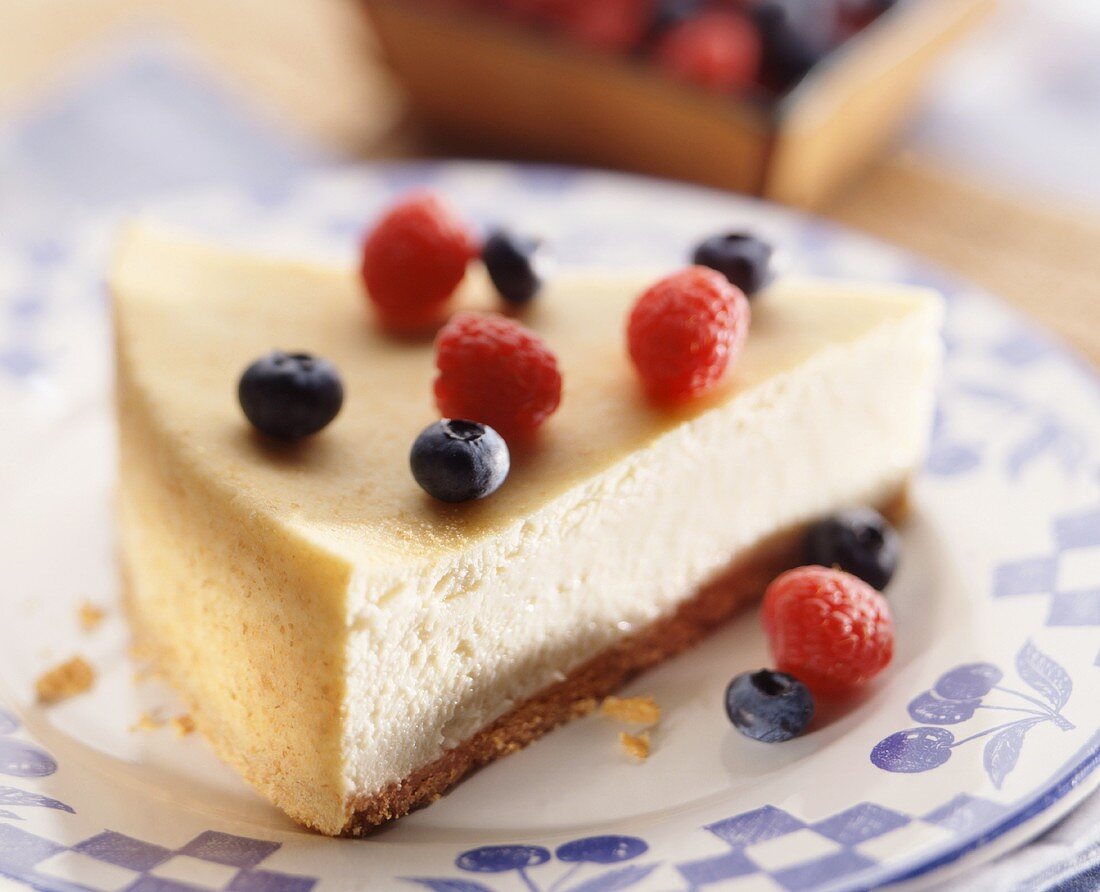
{"x":501,"y":88}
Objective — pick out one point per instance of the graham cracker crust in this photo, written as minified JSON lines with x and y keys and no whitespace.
{"x":743,"y":581}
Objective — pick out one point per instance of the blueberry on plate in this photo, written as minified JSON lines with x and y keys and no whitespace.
{"x":515,"y":265}
{"x":739,"y":256}
{"x":290,"y":395}
{"x":769,"y":706}
{"x":859,"y":541}
{"x":458,"y":461}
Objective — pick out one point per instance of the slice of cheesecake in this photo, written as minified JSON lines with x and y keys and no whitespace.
{"x":353,"y":647}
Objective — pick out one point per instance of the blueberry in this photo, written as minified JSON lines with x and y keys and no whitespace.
{"x":973,"y":680}
{"x":456,"y":461}
{"x":860,"y":541}
{"x":769,"y":706}
{"x":915,"y":750}
{"x":739,"y":256}
{"x":290,"y":395}
{"x":515,"y":265}
{"x":791,"y":46}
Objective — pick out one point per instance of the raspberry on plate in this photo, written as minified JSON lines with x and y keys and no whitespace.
{"x":496,"y":371}
{"x":414,"y":259}
{"x":685,"y":331}
{"x":718,"y":50}
{"x":828,"y":629}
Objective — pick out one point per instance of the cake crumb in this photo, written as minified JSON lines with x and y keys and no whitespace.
{"x":64,"y":681}
{"x":183,"y":725}
{"x":147,"y":721}
{"x":89,"y":616}
{"x":585,"y":707}
{"x":636,"y":745}
{"x":632,"y":710}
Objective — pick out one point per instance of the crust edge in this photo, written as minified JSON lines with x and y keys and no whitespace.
{"x":693,"y":620}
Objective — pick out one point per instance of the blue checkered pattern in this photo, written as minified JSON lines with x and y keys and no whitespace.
{"x":1076,"y":546}
{"x":839,"y":847}
{"x":113,"y":861}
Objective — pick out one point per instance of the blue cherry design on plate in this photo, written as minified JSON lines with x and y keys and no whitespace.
{"x":602,"y":849}
{"x":21,"y":759}
{"x":927,"y":707}
{"x":973,"y":680}
{"x":605,"y":854}
{"x":918,"y":749}
{"x":497,"y":859}
{"x":948,"y":459}
{"x":958,"y":695}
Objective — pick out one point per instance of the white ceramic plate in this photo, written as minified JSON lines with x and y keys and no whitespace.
{"x":983,"y":731}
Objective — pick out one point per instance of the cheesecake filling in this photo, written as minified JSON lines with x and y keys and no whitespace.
{"x":342,"y":639}
{"x":438,"y":650}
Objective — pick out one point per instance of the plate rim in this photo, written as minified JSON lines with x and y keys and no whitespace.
{"x":1035,"y":810}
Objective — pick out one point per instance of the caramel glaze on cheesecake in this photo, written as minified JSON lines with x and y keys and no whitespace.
{"x":354,"y":648}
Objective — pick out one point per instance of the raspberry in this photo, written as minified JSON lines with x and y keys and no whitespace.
{"x":413,"y":261}
{"x":685,"y":331}
{"x":717,"y":50}
{"x":828,"y":629}
{"x":612,"y":25}
{"x":496,"y":371}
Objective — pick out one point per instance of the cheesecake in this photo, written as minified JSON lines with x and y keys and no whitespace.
{"x":353,"y":647}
